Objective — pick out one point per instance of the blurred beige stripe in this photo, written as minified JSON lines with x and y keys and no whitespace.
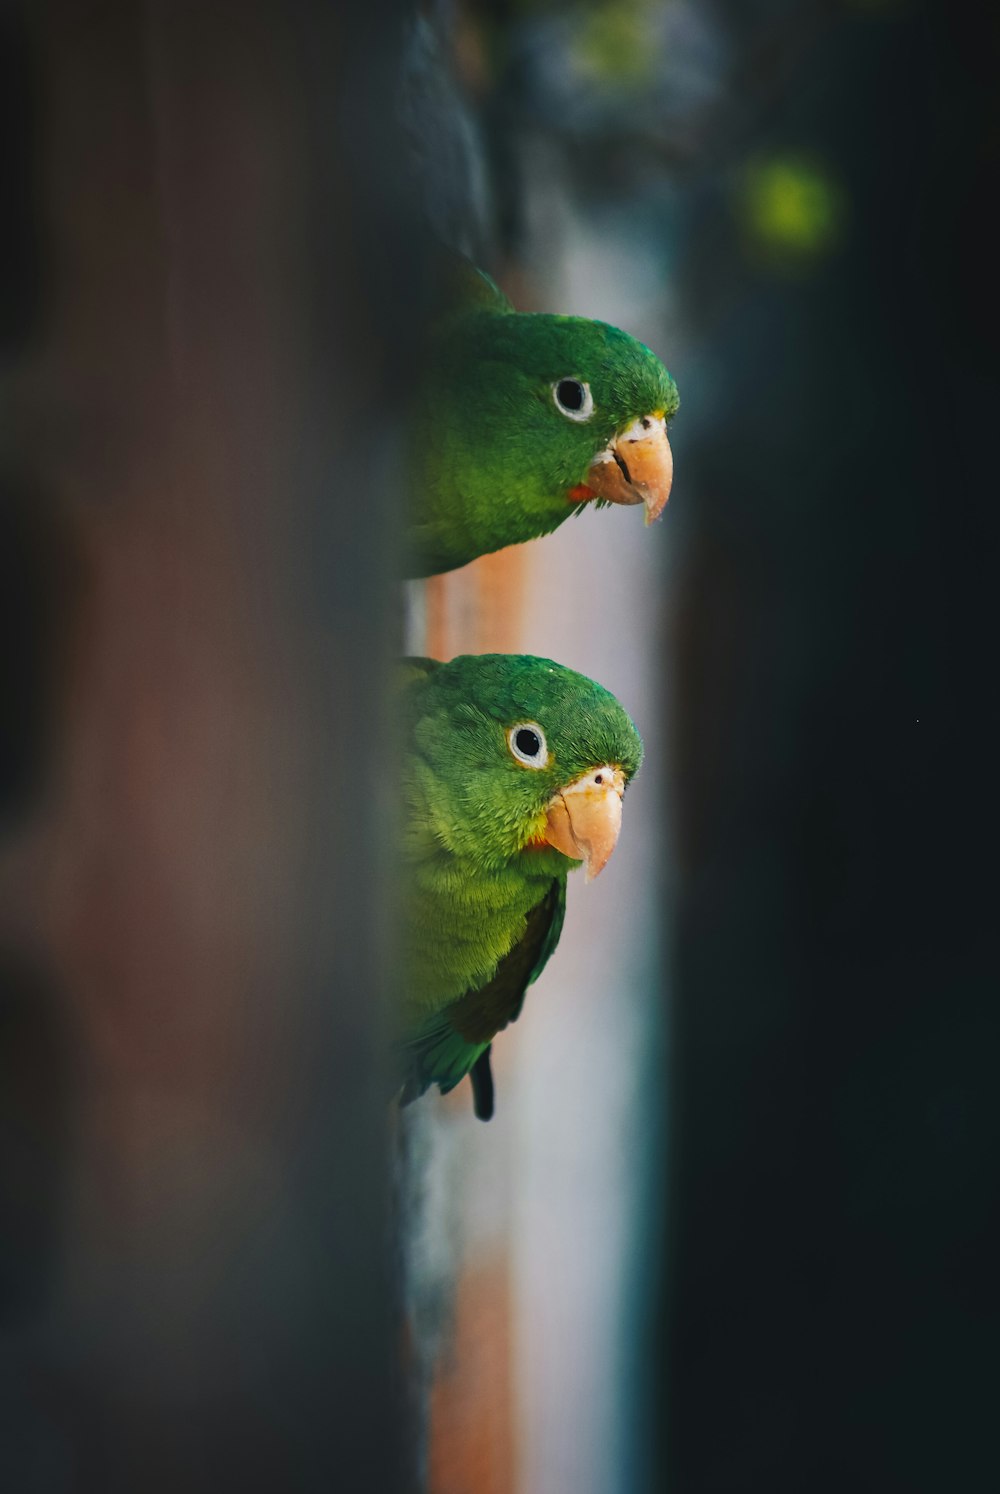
{"x":477,"y":610}
{"x":471,"y":1431}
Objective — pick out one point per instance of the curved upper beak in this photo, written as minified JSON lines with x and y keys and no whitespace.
{"x":637,"y":466}
{"x":584,"y":818}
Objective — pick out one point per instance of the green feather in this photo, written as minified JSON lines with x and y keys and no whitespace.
{"x":483,"y":906}
{"x":491,"y":458}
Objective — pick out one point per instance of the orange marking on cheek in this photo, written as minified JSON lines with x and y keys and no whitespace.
{"x":581,"y":493}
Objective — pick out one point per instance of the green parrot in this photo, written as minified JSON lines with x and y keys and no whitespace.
{"x":514,"y":771}
{"x":522,"y":418}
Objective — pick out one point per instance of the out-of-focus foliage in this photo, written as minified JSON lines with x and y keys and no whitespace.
{"x":793,"y":210}
{"x":613,"y":45}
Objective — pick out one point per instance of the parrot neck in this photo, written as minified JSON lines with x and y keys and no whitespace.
{"x":508,"y":514}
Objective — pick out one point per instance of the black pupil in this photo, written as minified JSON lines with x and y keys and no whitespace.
{"x":527,"y":742}
{"x":570,"y":394}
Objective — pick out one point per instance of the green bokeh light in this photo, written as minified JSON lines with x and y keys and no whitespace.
{"x":793,"y":209}
{"x":614,"y":43}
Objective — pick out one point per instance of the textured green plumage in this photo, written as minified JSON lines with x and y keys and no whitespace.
{"x":483,"y":908}
{"x":491,"y":458}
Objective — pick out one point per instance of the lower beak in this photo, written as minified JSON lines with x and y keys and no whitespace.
{"x":636,"y":467}
{"x":584,"y":818}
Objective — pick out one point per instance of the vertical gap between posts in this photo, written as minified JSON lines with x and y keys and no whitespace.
{"x":473,"y":1436}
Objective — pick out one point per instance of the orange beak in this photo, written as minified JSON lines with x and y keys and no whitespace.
{"x":584,"y":818}
{"x":636,"y":467}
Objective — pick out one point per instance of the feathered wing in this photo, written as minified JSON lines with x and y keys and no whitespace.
{"x":456,"y":1041}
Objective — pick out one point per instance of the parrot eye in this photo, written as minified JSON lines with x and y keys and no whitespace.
{"x":573,"y":399}
{"x":527,"y":743}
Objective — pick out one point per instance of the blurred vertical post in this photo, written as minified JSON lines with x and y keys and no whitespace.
{"x":205,"y":312}
{"x":832,"y":1306}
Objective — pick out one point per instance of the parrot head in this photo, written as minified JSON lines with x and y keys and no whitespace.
{"x":525,"y":418}
{"x":519,"y":757}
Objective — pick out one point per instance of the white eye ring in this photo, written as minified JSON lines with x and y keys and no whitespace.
{"x":576,"y":401}
{"x":531,"y":754}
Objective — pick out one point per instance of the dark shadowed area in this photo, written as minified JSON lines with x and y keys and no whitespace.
{"x":833,"y":1199}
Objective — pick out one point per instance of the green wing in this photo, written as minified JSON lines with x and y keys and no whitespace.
{"x":457,"y":1040}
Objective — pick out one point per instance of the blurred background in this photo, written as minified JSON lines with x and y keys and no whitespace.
{"x":735,"y":1223}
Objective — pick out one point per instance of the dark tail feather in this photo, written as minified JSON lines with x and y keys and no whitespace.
{"x":482,"y":1086}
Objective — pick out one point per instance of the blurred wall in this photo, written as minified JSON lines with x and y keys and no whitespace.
{"x":202,"y":331}
{"x":832,"y":1309}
